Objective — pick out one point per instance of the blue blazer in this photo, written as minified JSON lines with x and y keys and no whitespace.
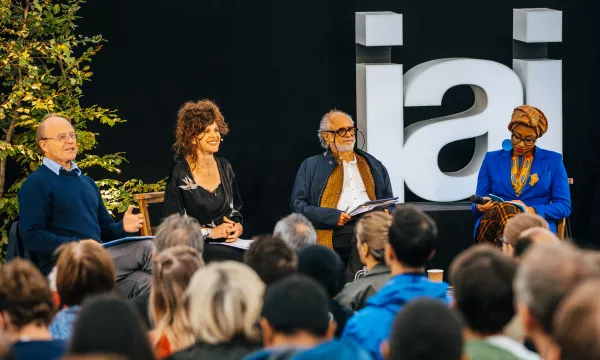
{"x":549,"y":196}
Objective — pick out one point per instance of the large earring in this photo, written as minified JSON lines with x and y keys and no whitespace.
{"x":222,"y":139}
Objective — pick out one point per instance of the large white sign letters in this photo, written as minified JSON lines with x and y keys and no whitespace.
{"x":411,"y":153}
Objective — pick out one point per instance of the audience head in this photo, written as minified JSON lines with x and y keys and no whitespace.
{"x":372,"y":232}
{"x":25,"y":297}
{"x":296,"y":306}
{"x":425,"y":329}
{"x":577,"y":323}
{"x":179,"y":230}
{"x":519,"y":223}
{"x":296,"y":231}
{"x":172,"y":271}
{"x":270,"y":258}
{"x":224,"y":302}
{"x":483,"y":293}
{"x":109,"y":325}
{"x":412,"y":238}
{"x":535,"y":235}
{"x":546,"y":274}
{"x":324,"y":265}
{"x":83,"y":268}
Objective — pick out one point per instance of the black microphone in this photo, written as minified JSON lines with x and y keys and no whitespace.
{"x":478,"y":200}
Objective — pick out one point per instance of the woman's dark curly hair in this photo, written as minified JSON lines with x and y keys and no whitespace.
{"x":192,"y":119}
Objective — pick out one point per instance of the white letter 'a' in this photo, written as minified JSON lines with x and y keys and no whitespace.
{"x":497,"y":90}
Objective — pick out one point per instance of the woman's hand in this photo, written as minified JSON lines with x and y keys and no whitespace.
{"x":528,"y":209}
{"x":485,"y":207}
{"x":236,"y":229}
{"x":220,"y":232}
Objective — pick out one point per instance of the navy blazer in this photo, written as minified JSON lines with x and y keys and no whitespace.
{"x":549,"y":196}
{"x":312,"y":178}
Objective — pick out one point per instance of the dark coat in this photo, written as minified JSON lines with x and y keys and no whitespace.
{"x":355,"y":294}
{"x":312,"y":178}
{"x":235,"y":350}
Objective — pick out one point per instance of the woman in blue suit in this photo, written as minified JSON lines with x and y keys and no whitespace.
{"x":528,"y":175}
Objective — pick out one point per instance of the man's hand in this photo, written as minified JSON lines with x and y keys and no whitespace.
{"x":132,"y":222}
{"x":236,"y":230}
{"x":344,"y":218}
{"x":485,"y":207}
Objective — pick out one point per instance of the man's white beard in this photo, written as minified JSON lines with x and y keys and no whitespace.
{"x":344,"y":147}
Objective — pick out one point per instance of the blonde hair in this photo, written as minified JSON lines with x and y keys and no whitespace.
{"x":173,"y":269}
{"x":373,"y":230}
{"x":516,"y":225}
{"x":224,"y":301}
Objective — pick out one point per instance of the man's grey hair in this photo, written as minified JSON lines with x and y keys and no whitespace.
{"x":546,"y":274}
{"x":324,"y":126}
{"x":179,"y":230}
{"x":296,"y":231}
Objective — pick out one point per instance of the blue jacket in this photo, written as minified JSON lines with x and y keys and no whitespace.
{"x":372,"y":325}
{"x":312,"y":178}
{"x":549,"y":196}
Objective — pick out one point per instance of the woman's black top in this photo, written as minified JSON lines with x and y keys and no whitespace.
{"x":184,"y":196}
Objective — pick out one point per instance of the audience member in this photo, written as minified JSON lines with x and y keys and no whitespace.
{"x":296,"y":231}
{"x":516,"y":225}
{"x":173,"y":231}
{"x":546,"y":274}
{"x":425,"y":329}
{"x":482,"y":277}
{"x":178,"y":230}
{"x":173,"y":270}
{"x":83,"y":269}
{"x":109,"y":325}
{"x":334,"y":350}
{"x":411,"y":244}
{"x":26,"y":310}
{"x":270,"y":258}
{"x":224,"y":303}
{"x":325,"y":265}
{"x":535,"y":235}
{"x":295,"y":316}
{"x":576,"y":326}
{"x":371,"y":235}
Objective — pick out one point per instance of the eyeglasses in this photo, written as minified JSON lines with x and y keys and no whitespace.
{"x":63,"y":137}
{"x":343,"y":131}
{"x":527,"y":141}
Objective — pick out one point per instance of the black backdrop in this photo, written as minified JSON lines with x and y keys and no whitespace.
{"x":274,"y":67}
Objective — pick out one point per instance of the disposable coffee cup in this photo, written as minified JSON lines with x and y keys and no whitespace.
{"x":436,"y":275}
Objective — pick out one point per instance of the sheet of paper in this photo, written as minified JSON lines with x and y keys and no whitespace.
{"x":239,"y":244}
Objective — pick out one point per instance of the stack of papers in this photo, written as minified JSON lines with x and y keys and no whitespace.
{"x":372,"y":205}
{"x":238,"y":244}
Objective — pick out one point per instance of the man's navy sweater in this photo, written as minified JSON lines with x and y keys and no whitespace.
{"x":56,"y":209}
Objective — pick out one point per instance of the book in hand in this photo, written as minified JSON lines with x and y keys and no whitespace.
{"x":372,"y":205}
{"x":499,"y":199}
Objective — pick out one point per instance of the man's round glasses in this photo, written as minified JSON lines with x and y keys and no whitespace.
{"x":343,"y":131}
{"x":527,"y":141}
{"x":63,"y":137}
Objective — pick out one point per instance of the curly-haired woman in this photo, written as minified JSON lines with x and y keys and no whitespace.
{"x":202,"y":185}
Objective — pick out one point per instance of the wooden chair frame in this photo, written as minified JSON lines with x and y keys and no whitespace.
{"x":143,"y":201}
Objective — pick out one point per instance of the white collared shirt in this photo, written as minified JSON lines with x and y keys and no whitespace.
{"x":354,"y":192}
